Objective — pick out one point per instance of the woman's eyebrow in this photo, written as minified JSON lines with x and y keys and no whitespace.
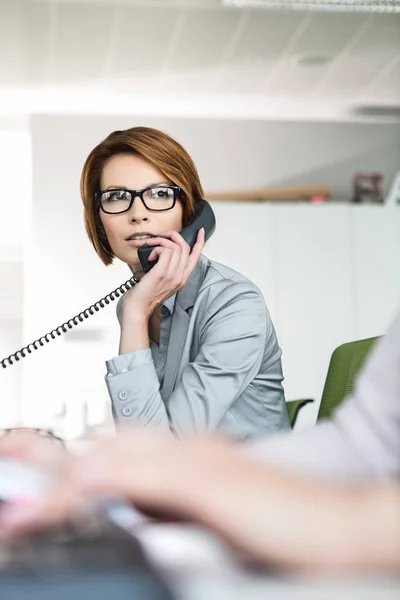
{"x":124,"y":187}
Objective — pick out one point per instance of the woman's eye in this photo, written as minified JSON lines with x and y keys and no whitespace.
{"x":160,"y":193}
{"x":116,"y":196}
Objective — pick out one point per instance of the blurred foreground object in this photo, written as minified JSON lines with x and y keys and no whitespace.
{"x":46,"y":433}
{"x":87,"y":559}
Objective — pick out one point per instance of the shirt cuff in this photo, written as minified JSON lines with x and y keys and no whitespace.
{"x":127,"y":362}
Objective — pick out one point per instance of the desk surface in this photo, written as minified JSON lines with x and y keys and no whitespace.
{"x":199,"y":567}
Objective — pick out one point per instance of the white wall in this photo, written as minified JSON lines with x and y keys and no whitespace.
{"x":242,"y":154}
{"x":15,"y":180}
{"x":329,"y":273}
{"x":16,"y":184}
{"x":10,"y":378}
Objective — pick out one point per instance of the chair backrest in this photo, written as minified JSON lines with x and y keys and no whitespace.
{"x":344,"y":366}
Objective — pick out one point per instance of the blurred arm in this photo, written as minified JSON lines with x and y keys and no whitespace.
{"x":362,"y":441}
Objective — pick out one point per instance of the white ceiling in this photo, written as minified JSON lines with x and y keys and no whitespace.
{"x":170,"y":56}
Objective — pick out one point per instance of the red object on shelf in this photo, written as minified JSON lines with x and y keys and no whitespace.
{"x":316,"y":199}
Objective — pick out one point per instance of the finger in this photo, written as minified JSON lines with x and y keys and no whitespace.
{"x":184,"y":256}
{"x":17,"y":519}
{"x":174,"y":274}
{"x":172,"y":236}
{"x":51,"y":506}
{"x":31,"y":447}
{"x":186,"y":250}
{"x":18,"y":443}
{"x":189,"y":260}
{"x":168,"y":269}
{"x":106,"y":466}
{"x":173,"y":270}
{"x":181,"y":251}
{"x":158,"y":241}
{"x":176,"y":237}
{"x":172,"y":240}
{"x":135,"y":478}
{"x":163,"y":255}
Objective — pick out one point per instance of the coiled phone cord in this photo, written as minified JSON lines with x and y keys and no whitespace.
{"x":119,"y":291}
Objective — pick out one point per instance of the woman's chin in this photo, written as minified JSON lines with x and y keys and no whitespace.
{"x":134,"y":266}
{"x":130,"y":258}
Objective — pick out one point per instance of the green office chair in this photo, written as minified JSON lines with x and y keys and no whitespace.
{"x":293,"y":408}
{"x":344,"y":366}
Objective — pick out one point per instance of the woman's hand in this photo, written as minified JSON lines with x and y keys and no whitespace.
{"x":174,"y":266}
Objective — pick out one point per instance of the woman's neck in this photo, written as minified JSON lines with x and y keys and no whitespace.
{"x":155,"y":326}
{"x":136,"y":270}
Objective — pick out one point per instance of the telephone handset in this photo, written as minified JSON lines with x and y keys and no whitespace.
{"x":205,"y":218}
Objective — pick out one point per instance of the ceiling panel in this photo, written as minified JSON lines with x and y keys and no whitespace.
{"x":203,"y":37}
{"x":265,"y":36}
{"x":365,"y":60}
{"x":198,"y":80}
{"x":350,"y":81}
{"x":173,"y":47}
{"x":245,"y":78}
{"x":261,"y":42}
{"x":82,"y":41}
{"x":387,"y":86}
{"x":293,"y":79}
{"x":381,"y":39}
{"x":142,"y":39}
{"x":324,"y":35}
{"x":328,"y":33}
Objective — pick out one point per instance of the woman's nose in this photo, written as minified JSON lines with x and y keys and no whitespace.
{"x":138,"y":212}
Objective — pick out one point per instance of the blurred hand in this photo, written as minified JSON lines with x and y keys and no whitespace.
{"x":272,"y":516}
{"x":159,"y":474}
{"x":32,"y":446}
{"x":40,"y":452}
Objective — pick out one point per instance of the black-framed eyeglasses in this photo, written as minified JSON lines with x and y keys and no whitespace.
{"x":155,"y":198}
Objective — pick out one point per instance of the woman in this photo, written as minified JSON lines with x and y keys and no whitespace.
{"x":198,"y":351}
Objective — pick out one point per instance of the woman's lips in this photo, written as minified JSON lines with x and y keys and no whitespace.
{"x":137,"y":243}
{"x":139,"y":239}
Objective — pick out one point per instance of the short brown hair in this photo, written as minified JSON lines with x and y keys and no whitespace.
{"x":160,"y":150}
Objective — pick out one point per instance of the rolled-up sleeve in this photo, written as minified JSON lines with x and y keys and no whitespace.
{"x":126,"y":362}
{"x":133,"y":386}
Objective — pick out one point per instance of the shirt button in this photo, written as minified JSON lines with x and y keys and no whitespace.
{"x":122,"y":395}
{"x":127,"y":411}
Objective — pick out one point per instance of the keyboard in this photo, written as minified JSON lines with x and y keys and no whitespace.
{"x":90,"y":558}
